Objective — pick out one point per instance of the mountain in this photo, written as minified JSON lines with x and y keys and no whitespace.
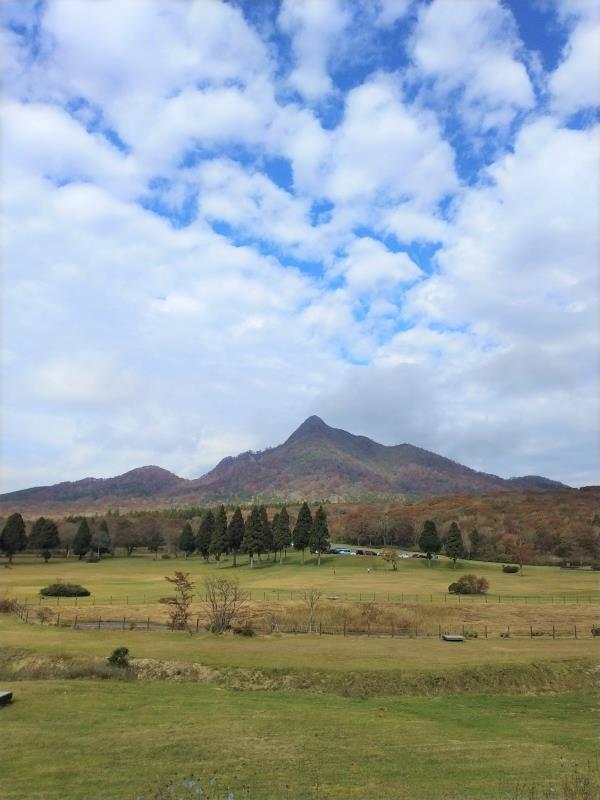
{"x":315,"y":462}
{"x":141,"y":482}
{"x":318,"y":461}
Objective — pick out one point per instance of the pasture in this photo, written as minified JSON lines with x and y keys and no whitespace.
{"x":140,"y":578}
{"x":298,"y":716}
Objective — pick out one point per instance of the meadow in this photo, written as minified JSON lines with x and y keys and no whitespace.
{"x":298,"y":716}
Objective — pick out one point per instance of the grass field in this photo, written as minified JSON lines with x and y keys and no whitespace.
{"x":299,"y":717}
{"x":140,"y":577}
{"x":86,"y":740}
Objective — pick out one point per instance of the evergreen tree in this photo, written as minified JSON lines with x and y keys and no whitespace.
{"x":101,"y":540}
{"x":282,"y":534}
{"x":235,"y":534}
{"x":429,"y":541}
{"x":454,"y":547}
{"x":13,"y":538}
{"x":319,"y":534}
{"x":218,"y":540}
{"x":44,"y":537}
{"x":187,"y":540}
{"x":205,"y":532}
{"x":475,"y":542}
{"x":82,"y":541}
{"x":253,"y":535}
{"x":267,"y":531}
{"x":302,"y":529}
{"x":274,"y":524}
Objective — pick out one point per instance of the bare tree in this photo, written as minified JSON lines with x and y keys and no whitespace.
{"x":224,"y":601}
{"x":180,"y":603}
{"x":312,"y":597}
{"x":391,"y":555}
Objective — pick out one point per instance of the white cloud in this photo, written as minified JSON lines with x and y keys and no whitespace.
{"x":473,"y":47}
{"x":369,"y":267}
{"x":575,"y":84}
{"x":313,"y":27}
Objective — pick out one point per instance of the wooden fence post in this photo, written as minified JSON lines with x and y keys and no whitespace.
{"x":486,"y":631}
{"x":75,"y":623}
{"x":148,"y":624}
{"x":531,"y":632}
{"x":575,"y":629}
{"x":553,"y":632}
{"x":99,"y":622}
{"x":123,"y":628}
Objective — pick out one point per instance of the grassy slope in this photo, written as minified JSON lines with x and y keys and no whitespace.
{"x":141,"y":577}
{"x":83,"y":740}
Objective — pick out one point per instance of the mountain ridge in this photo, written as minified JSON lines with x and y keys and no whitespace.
{"x":316,"y":461}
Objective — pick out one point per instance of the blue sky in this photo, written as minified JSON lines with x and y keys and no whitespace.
{"x":223,"y":217}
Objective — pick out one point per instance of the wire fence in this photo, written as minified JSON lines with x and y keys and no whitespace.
{"x":370,"y":628}
{"x":283,"y":595}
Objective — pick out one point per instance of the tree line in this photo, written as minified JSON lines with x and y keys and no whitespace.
{"x":219,"y":533}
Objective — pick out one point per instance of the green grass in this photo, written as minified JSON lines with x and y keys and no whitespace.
{"x":92,"y":740}
{"x":141,"y":577}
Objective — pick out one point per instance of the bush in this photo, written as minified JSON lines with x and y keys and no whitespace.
{"x":469,"y":584}
{"x":7,"y":604}
{"x":93,"y":558}
{"x":60,"y":589}
{"x":244,"y":630}
{"x":119,"y":657}
{"x":595,"y":565}
{"x":596,"y":630}
{"x":510,"y":568}
{"x":165,"y":555}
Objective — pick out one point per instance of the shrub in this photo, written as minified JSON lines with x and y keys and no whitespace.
{"x":165,"y":556}
{"x":244,"y":630}
{"x":119,"y":657}
{"x":93,"y":558}
{"x":7,"y":604}
{"x":60,"y":589}
{"x":596,"y":630}
{"x":469,"y":584}
{"x":595,"y":565}
{"x":510,"y":568}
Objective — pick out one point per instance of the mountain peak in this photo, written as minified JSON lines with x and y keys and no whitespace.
{"x":312,"y":425}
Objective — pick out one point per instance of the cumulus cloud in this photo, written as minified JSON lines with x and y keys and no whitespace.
{"x":473,"y":48}
{"x":212,"y":230}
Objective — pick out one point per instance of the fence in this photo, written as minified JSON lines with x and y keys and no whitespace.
{"x":376,"y":629}
{"x":283,"y":595}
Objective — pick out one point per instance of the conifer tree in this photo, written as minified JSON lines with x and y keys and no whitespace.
{"x":282,"y":534}
{"x":454,"y":547}
{"x":253,"y":536}
{"x":187,"y":540}
{"x":475,"y":542}
{"x":267,"y":531}
{"x":205,"y":532}
{"x":235,"y":534}
{"x":274,"y":524}
{"x":302,"y":529}
{"x":82,"y":542}
{"x":319,"y":534}
{"x":13,"y":538}
{"x":429,"y":541}
{"x":218,"y":540}
{"x":44,"y":537}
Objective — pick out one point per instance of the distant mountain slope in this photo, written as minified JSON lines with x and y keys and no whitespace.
{"x":140,"y":482}
{"x":315,"y":462}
